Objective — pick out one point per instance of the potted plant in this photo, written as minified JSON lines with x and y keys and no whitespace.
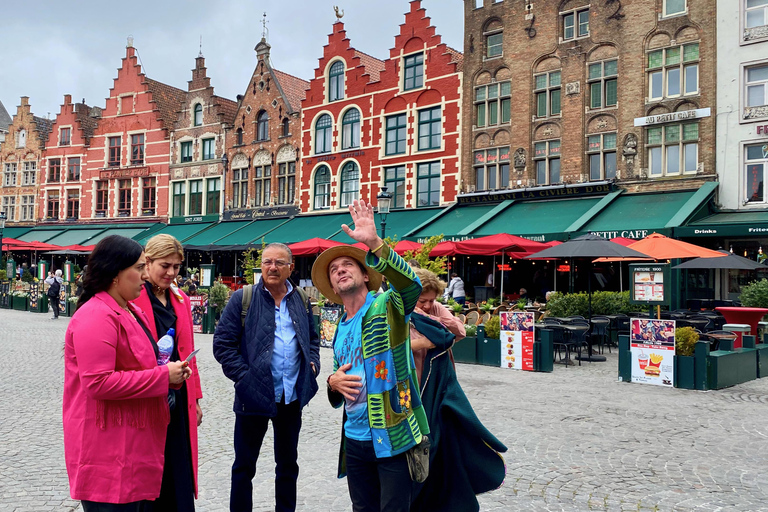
{"x":20,"y":300}
{"x":685,"y":345}
{"x":71,"y":305}
{"x":465,"y":350}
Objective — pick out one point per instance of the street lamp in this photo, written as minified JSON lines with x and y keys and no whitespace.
{"x":3,"y":218}
{"x":384,"y":201}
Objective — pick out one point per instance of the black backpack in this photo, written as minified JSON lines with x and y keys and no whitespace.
{"x":53,"y":290}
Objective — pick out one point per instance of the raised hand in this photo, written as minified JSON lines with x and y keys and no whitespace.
{"x":365,"y":225}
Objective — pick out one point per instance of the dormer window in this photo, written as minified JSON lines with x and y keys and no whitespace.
{"x":198,"y":115}
{"x":336,"y":81}
{"x":413,"y":67}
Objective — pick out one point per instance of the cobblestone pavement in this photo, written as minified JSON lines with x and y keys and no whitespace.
{"x":577,"y":438}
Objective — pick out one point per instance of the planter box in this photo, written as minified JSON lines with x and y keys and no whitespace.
{"x":20,"y":303}
{"x":465,"y":350}
{"x":684,"y":372}
{"x":728,"y":368}
{"x":489,"y":352}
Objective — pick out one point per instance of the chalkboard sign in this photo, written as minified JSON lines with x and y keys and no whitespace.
{"x":5,"y":294}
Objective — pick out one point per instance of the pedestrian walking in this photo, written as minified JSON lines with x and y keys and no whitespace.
{"x":115,"y":403}
{"x":267,"y":345}
{"x":167,"y":307}
{"x":374,"y":375}
{"x":455,"y":289}
{"x":54,"y":289}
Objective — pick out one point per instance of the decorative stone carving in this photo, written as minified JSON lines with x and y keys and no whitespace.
{"x":286,"y":154}
{"x":213,"y":169}
{"x":630,"y":152}
{"x":755,"y":112}
{"x":262,"y":158}
{"x":602,"y":124}
{"x":753,"y":33}
{"x":194,"y":172}
{"x":178,"y":173}
{"x":572,"y":88}
{"x":519,"y":159}
{"x":240,"y":161}
{"x":548,"y":132}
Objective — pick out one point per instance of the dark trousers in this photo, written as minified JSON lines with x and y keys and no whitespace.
{"x":54,"y":301}
{"x":249,"y":434}
{"x":95,"y":506}
{"x":377,"y":485}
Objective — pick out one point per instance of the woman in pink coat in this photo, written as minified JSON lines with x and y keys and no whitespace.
{"x":168,"y":308}
{"x":115,"y":404}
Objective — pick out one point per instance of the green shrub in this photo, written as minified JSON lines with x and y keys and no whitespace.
{"x":27,"y":276}
{"x":755,"y":294}
{"x":3,"y":275}
{"x":685,"y":341}
{"x":493,"y":327}
{"x":218,"y":296}
{"x":603,"y":303}
{"x":471,"y":330}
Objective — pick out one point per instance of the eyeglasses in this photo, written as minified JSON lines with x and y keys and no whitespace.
{"x":277,"y":263}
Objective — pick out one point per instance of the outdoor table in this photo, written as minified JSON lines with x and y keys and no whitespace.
{"x":594,"y":358}
{"x":749,"y":316}
{"x":719,"y":337}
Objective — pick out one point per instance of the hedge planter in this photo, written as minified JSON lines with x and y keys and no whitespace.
{"x":20,"y":303}
{"x":684,"y":372}
{"x":465,"y":350}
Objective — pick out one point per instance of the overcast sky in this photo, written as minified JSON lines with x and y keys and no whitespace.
{"x":59,"y":48}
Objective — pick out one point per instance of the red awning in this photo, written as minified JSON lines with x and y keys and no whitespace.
{"x":493,"y":245}
{"x":312,"y":246}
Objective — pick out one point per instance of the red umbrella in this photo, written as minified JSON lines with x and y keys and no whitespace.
{"x":42,"y":246}
{"x":404,"y":246}
{"x":312,"y":246}
{"x":443,"y":249}
{"x":494,"y":245}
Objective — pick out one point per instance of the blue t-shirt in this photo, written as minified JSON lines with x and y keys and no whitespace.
{"x":348,"y":348}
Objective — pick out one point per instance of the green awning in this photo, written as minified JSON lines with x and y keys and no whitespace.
{"x":128,"y":232}
{"x":639,"y":215}
{"x":220,"y":230}
{"x":304,"y":227}
{"x":452,"y":222}
{"x":253,"y":233}
{"x":400,"y":223}
{"x":728,"y":224}
{"x":542,"y":221}
{"x":40,"y":235}
{"x":75,"y":236}
{"x":180,"y":232}
{"x":14,"y":232}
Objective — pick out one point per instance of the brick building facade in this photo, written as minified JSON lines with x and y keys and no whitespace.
{"x":20,"y":157}
{"x":263,"y":143}
{"x":61,"y":183}
{"x":369,"y":123}
{"x":126,"y":174}
{"x":571,"y":91}
{"x":197,"y":146}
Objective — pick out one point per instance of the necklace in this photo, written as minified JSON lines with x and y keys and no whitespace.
{"x":159,"y":292}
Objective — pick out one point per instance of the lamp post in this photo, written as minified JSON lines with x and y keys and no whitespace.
{"x":2,"y":227}
{"x":384,"y":200}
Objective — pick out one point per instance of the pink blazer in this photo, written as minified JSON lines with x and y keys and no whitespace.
{"x":115,"y":406}
{"x":186,"y":343}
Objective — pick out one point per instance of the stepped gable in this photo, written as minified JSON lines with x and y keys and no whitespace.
{"x":457,"y":57}
{"x":227,"y":110}
{"x":87,"y":122}
{"x":373,"y":66}
{"x":294,"y":88}
{"x":43,"y":128}
{"x":168,"y":99}
{"x":5,"y":118}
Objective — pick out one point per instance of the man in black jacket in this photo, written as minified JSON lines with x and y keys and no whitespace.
{"x":270,"y":349}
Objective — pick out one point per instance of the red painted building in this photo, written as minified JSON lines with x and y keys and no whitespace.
{"x":65,"y":157}
{"x":126,"y":174}
{"x":368,"y":123}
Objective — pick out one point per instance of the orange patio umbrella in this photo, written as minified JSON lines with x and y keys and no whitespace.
{"x":660,"y":247}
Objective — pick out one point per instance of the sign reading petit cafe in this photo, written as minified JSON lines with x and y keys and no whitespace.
{"x":672,"y":117}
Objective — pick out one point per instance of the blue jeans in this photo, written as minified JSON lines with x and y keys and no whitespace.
{"x":249,"y":434}
{"x":460,"y":300}
{"x":377,"y":485}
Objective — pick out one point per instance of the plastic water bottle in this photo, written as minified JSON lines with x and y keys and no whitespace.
{"x":165,"y":344}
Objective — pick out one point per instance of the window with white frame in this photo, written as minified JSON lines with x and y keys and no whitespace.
{"x":73,"y":204}
{"x":9,"y":207}
{"x":27,"y":208}
{"x":124,"y":198}
{"x":546,"y":90}
{"x":674,"y":7}
{"x":263,"y":181}
{"x":9,"y":174}
{"x":21,"y":138}
{"x":213,"y":196}
{"x":601,"y":152}
{"x":494,"y":45}
{"x":673,"y":72}
{"x":102,"y":198}
{"x":478,"y":4}
{"x":394,"y":180}
{"x":756,"y":82}
{"x":286,"y":182}
{"x":672,"y":149}
{"x":323,"y":188}
{"x":54,"y":170}
{"x":179,"y":199}
{"x":73,"y":169}
{"x":137,"y":149}
{"x":493,"y":104}
{"x":430,"y":133}
{"x":52,"y":205}
{"x":114,"y":151}
{"x":395,"y":135}
{"x":755,"y":168}
{"x":428,"y":184}
{"x":323,"y":134}
{"x":198,"y":115}
{"x":336,"y":81}
{"x":575,"y":24}
{"x":413,"y":71}
{"x":65,"y":136}
{"x":491,"y":169}
{"x":546,"y":156}
{"x":603,"y":84}
{"x":240,"y":188}
{"x":350,"y":184}
{"x":350,"y":129}
{"x":755,"y":13}
{"x":30,"y":173}
{"x":209,"y":153}
{"x":148,"y":195}
{"x":186,"y":151}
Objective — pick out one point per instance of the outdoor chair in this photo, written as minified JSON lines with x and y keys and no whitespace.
{"x":551,"y":321}
{"x":472,"y":318}
{"x":471,"y":306}
{"x":578,"y":337}
{"x":599,"y":333}
{"x":561,"y":344}
{"x":701,"y":322}
{"x":462,"y":318}
{"x":484,"y":318}
{"x":622,"y":325}
{"x":499,"y":309}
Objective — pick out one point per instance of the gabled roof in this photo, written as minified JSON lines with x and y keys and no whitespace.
{"x":294,"y":88}
{"x":168,"y":99}
{"x":87,"y":123}
{"x":227,"y":109}
{"x":457,"y":57}
{"x":373,"y":66}
{"x":43,"y":128}
{"x":5,"y":118}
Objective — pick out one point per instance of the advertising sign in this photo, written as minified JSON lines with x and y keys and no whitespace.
{"x":197,"y":303}
{"x":652,"y":345}
{"x":329,"y":318}
{"x":650,"y":284}
{"x":517,"y":340}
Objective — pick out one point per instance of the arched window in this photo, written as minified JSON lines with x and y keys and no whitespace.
{"x":350,"y":129}
{"x":262,"y":126}
{"x":239,"y":136}
{"x":336,"y":81}
{"x":286,"y":127}
{"x":323,"y":188}
{"x":323,"y":134}
{"x":198,"y":120}
{"x":350,"y":183}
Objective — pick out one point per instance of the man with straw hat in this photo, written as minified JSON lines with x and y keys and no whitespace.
{"x":374,"y":372}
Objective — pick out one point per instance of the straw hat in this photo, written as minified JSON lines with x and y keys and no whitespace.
{"x":320,"y":270}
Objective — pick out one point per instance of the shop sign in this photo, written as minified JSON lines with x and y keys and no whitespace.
{"x":762,"y":129}
{"x":635,"y":234}
{"x":517,"y":340}
{"x":191,"y":219}
{"x":563,"y":268}
{"x":652,"y":346}
{"x":724,"y":231}
{"x":536,"y":193}
{"x":342,"y":156}
{"x":505,"y":267}
{"x":261,"y":213}
{"x":673,"y":117}
{"x":133,"y":172}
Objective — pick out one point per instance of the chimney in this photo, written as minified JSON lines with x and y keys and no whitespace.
{"x":24,"y":101}
{"x":67,"y":99}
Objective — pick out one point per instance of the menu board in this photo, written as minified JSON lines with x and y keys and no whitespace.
{"x":197,"y":303}
{"x":652,"y":345}
{"x":329,"y":318}
{"x":517,"y":340}
{"x":650,"y":284}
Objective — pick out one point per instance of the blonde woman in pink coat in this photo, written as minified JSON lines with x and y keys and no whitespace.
{"x":115,"y":404}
